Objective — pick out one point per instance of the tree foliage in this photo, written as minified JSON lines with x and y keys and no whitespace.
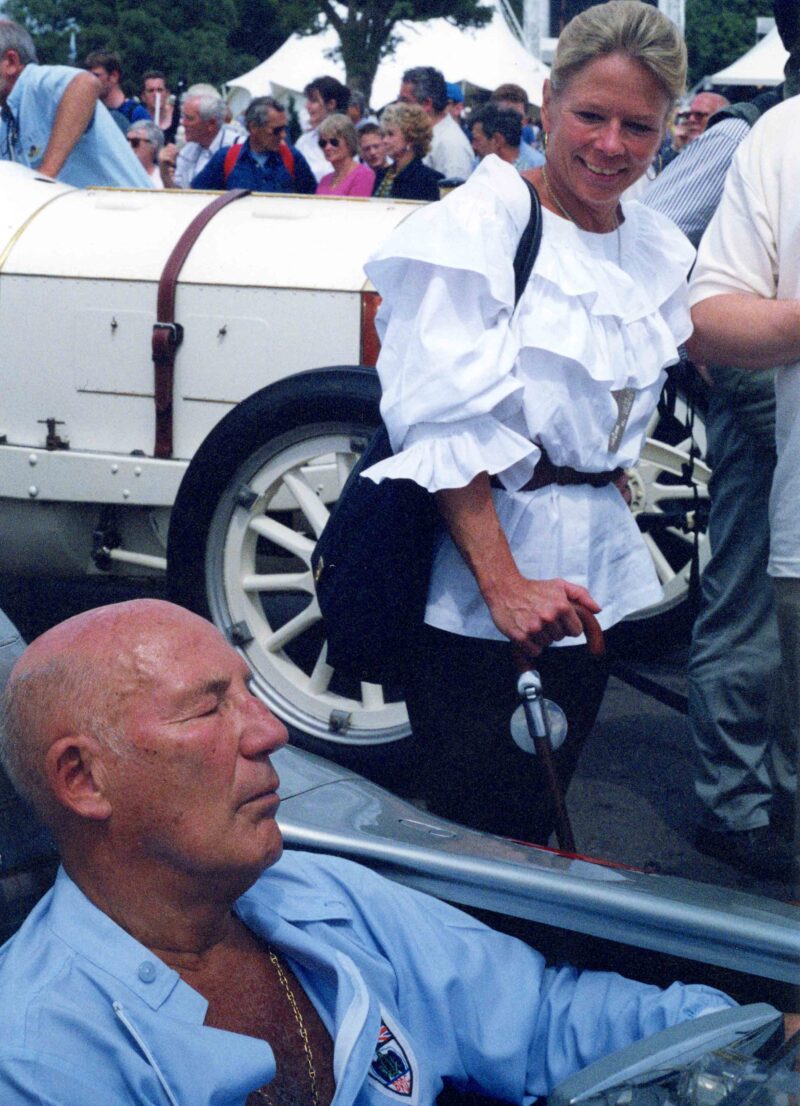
{"x":213,"y":40}
{"x":717,"y":34}
{"x":190,"y":39}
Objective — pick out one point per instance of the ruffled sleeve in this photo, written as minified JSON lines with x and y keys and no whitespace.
{"x":451,"y":402}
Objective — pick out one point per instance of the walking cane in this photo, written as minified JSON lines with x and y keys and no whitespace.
{"x":539,"y":714}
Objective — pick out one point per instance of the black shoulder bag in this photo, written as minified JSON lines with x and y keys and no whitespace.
{"x":373,"y":560}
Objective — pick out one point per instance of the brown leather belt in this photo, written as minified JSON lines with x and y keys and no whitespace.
{"x":547,"y":473}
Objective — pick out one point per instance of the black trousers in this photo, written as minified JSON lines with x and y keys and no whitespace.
{"x":461,"y":693}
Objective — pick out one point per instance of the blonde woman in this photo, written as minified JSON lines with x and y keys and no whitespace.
{"x":522,"y":422}
{"x":407,"y":131}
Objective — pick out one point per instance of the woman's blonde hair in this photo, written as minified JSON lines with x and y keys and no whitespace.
{"x":414,"y":124}
{"x":622,"y":27}
{"x":340,"y":126}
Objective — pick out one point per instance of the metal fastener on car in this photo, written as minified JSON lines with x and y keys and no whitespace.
{"x":246,"y":497}
{"x":339,"y":721}
{"x":239,"y":633}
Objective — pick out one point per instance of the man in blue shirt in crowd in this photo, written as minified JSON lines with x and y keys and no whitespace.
{"x":264,"y":162}
{"x":50,"y":120}
{"x":106,"y":66}
{"x":181,"y":959}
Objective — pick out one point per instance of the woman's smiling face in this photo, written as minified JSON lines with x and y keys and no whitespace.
{"x":604,"y":128}
{"x":394,"y":141}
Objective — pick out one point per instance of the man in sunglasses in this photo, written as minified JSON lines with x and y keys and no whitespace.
{"x":265,"y":162}
{"x":146,"y":140}
{"x":700,"y":111}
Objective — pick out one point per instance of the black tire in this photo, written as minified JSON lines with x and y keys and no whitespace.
{"x":248,"y":511}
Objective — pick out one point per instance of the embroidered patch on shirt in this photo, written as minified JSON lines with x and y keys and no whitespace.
{"x":393,"y":1066}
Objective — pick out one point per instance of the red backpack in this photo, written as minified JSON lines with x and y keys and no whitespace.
{"x":234,"y":151}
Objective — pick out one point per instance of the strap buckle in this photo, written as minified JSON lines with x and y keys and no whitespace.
{"x":175,"y":331}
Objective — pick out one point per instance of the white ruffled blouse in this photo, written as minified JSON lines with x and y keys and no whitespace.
{"x":470,"y":385}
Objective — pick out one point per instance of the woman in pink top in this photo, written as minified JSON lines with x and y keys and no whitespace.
{"x":339,"y":144}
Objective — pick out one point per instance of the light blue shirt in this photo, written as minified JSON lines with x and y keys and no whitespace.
{"x":529,"y":157}
{"x":409,"y":989}
{"x":101,"y":156}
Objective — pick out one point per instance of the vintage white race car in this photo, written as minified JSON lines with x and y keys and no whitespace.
{"x":219,"y":470}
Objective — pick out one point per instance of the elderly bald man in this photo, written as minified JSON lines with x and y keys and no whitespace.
{"x":181,"y":959}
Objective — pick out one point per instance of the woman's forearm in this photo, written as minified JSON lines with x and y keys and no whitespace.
{"x":530,"y":613}
{"x":475,"y":528}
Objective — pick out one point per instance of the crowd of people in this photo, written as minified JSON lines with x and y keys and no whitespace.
{"x":176,"y":138}
{"x":179,"y":955}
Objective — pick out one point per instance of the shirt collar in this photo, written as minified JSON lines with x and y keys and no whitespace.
{"x":270,"y":909}
{"x":86,"y":929}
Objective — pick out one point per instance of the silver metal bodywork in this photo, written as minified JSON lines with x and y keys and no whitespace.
{"x":328,"y":809}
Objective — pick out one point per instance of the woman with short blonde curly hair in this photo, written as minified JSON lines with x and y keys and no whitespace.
{"x":407,"y":135}
{"x":415,"y":124}
{"x":339,"y":143}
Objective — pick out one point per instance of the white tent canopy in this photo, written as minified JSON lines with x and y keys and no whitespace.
{"x":762,"y":65}
{"x":486,"y":57}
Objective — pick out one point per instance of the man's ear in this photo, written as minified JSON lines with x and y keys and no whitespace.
{"x":77,"y":775}
{"x":12,"y":60}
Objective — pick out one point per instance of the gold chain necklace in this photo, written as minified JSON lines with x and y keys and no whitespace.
{"x":561,"y":207}
{"x":301,"y":1029}
{"x":567,"y":215}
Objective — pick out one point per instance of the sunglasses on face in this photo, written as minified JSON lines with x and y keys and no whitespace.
{"x":136,"y":142}
{"x":277,"y":131}
{"x":323,"y":142}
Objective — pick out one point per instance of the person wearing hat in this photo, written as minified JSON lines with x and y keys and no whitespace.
{"x":455,"y":104}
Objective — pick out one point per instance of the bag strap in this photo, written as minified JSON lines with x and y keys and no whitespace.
{"x":528,"y":246}
{"x":231,"y":158}
{"x":288,"y":159}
